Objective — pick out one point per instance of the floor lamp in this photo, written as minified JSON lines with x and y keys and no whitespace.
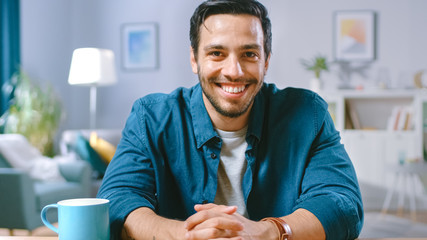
{"x":92,"y":67}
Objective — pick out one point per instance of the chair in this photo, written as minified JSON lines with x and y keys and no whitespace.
{"x":22,"y":198}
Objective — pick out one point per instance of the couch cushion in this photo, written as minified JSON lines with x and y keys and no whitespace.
{"x":87,"y":153}
{"x":4,"y":163}
{"x":20,"y":154}
{"x":51,"y":192}
{"x":105,"y":149}
{"x":16,"y":149}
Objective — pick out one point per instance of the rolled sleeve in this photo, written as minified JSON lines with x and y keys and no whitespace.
{"x":339,"y":216}
{"x":129,"y":182}
{"x":330,"y":189}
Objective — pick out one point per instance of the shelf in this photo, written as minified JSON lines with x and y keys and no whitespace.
{"x":390,"y":93}
{"x":375,"y":143}
{"x":383,"y":132}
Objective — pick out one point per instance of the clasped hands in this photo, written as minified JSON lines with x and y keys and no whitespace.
{"x":223,"y":222}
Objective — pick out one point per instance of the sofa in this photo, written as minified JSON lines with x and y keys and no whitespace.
{"x":79,"y":142}
{"x":23,"y":197}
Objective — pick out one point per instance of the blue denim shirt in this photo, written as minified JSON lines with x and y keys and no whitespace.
{"x":168,"y":157}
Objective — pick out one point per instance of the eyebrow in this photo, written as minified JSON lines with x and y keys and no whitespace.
{"x":221,"y":47}
{"x":214,"y":46}
{"x":252,"y":46}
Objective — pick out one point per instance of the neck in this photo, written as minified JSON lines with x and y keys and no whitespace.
{"x":226,"y":123}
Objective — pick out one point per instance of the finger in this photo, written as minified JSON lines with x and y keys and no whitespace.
{"x":234,"y":238}
{"x":196,"y":219}
{"x":200,"y":207}
{"x":210,"y":233}
{"x":222,"y":208}
{"x":204,"y":215}
{"x":225,"y":223}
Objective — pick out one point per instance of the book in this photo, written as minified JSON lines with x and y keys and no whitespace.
{"x":408,"y":119}
{"x":391,"y":122}
{"x":352,"y":115}
{"x":401,"y":118}
{"x":348,"y":122}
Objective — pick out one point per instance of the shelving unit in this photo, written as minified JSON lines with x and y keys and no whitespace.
{"x":423,"y":122}
{"x":367,"y":122}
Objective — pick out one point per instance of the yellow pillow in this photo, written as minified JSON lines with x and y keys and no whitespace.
{"x":105,"y":149}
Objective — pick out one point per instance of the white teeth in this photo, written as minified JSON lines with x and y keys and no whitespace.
{"x":233,"y":89}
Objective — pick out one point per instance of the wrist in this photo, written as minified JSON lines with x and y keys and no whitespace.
{"x":283,"y":229}
{"x":177,"y":230}
{"x":268,"y":231}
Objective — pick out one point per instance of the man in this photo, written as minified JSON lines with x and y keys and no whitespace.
{"x":232,"y":157}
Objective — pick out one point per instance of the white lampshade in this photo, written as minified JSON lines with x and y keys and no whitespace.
{"x":92,"y":66}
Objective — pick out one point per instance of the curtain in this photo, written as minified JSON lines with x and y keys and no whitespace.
{"x":9,"y":48}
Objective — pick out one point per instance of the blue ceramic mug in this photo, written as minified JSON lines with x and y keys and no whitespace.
{"x":80,"y":219}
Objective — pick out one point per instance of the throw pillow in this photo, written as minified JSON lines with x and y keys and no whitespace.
{"x":86,"y":152}
{"x":105,"y":149}
{"x":20,"y":154}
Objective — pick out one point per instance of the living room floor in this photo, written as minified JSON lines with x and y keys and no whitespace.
{"x":390,"y":225}
{"x":376,"y":226}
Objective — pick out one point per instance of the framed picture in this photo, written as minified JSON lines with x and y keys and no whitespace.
{"x":139,"y":46}
{"x":354,"y":35}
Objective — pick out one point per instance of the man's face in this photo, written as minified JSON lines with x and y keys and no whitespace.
{"x":230,"y":63}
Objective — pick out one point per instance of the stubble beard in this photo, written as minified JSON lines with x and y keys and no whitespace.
{"x":217,"y":105}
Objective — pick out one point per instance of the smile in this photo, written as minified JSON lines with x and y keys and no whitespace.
{"x":233,"y":89}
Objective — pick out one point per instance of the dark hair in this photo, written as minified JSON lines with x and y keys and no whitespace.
{"x":213,"y":7}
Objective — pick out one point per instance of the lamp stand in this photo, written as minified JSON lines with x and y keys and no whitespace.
{"x":93,"y":106}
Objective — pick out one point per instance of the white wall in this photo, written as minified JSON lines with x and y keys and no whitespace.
{"x":51,"y":29}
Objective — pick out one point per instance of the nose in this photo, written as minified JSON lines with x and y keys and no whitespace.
{"x":232,"y":68}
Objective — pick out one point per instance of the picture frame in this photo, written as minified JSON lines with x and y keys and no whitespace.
{"x":139,"y":46}
{"x":354,"y":35}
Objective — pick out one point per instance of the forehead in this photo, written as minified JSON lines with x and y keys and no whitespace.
{"x":222,"y":28}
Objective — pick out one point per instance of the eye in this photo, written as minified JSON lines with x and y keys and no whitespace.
{"x":215,"y":53}
{"x":250,"y":55}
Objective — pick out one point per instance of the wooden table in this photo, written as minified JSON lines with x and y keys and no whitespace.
{"x":56,"y":238}
{"x":27,"y":238}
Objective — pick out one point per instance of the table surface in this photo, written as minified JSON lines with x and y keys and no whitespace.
{"x":56,"y":238}
{"x":27,"y":238}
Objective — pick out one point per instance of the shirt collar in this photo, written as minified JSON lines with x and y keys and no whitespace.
{"x":202,"y":124}
{"x":256,"y":118}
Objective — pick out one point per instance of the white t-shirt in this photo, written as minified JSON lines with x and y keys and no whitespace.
{"x":231,"y":169}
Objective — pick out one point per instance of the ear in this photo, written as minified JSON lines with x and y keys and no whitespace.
{"x":267,"y":62}
{"x":193,"y":61}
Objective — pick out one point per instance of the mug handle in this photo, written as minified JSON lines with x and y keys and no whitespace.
{"x":44,"y":218}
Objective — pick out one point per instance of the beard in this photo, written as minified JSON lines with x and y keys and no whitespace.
{"x":239,"y":108}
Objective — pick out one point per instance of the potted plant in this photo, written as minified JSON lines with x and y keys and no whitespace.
{"x":33,"y":112}
{"x":318,"y":64}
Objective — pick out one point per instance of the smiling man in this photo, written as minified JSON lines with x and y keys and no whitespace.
{"x":231,"y":65}
{"x":232,"y":157}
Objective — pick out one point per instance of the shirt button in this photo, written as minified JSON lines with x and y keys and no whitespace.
{"x":213,"y":155}
{"x":205,"y":201}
